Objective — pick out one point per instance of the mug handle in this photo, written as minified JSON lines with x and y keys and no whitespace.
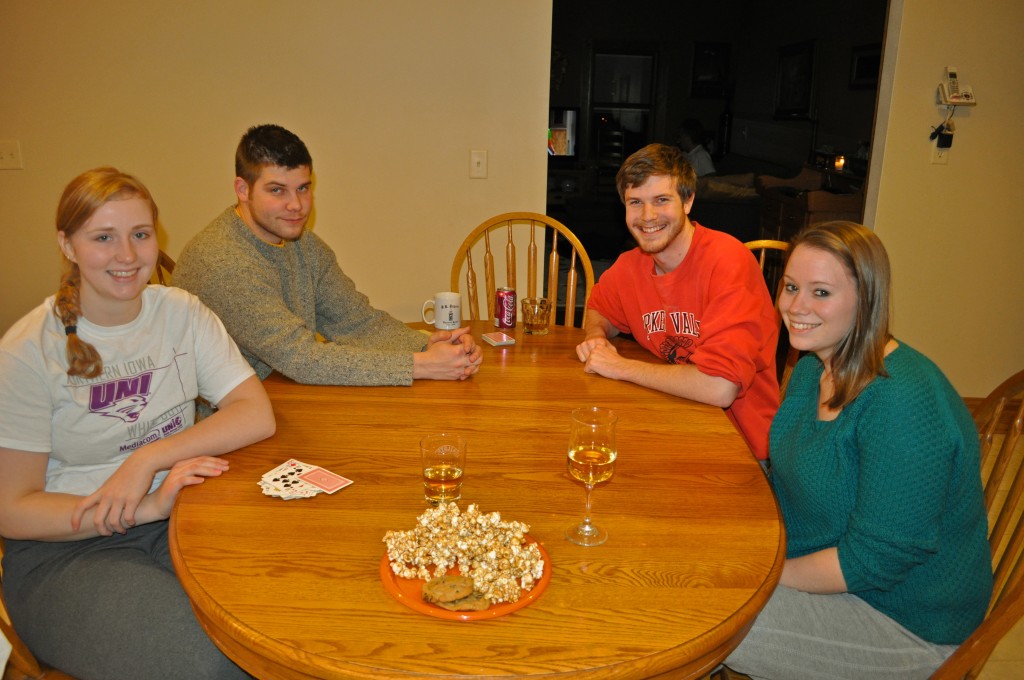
{"x":423,"y":312}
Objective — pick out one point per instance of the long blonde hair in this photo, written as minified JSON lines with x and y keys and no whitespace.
{"x":860,"y":356}
{"x":82,"y":197}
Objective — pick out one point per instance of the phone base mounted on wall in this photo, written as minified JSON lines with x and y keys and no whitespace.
{"x":964,"y":98}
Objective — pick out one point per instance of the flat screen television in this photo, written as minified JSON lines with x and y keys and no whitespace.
{"x":562,"y":132}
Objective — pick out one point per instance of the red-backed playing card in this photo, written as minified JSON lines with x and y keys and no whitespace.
{"x":325,"y":479}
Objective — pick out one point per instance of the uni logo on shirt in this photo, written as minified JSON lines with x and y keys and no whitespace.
{"x":123,"y":398}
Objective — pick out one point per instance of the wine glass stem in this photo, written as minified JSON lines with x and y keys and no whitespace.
{"x":586,"y":516}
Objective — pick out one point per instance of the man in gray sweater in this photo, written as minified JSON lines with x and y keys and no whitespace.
{"x":277,"y":286}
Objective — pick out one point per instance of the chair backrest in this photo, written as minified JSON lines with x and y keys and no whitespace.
{"x":22,"y":664}
{"x":1000,"y":415}
{"x":771,"y":255}
{"x":164,"y":269}
{"x":536,"y":232}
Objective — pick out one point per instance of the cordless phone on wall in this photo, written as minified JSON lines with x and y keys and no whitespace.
{"x":952,"y":81}
{"x":954,"y":94}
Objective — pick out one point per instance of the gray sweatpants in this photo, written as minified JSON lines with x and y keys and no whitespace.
{"x":109,"y":608}
{"x":831,"y":637}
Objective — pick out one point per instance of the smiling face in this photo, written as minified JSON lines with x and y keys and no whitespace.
{"x":818,"y":301}
{"x":278,"y":204}
{"x":657,"y":218}
{"x":115,"y":250}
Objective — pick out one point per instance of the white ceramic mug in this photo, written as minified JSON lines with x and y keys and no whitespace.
{"x":447,"y":311}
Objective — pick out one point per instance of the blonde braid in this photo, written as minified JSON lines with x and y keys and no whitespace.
{"x":83,"y":359}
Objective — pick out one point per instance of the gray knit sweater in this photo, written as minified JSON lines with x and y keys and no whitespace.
{"x":274,"y":300}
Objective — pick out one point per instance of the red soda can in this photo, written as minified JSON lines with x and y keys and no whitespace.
{"x":505,"y":308}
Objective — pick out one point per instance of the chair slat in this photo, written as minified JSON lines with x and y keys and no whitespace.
{"x":1004,"y":453}
{"x":531,"y":262}
{"x":474,"y":301}
{"x":553,"y":277}
{"x":570,"y":292}
{"x":489,"y":275}
{"x":510,"y":259}
{"x":1006,"y":539}
{"x":1008,"y":569}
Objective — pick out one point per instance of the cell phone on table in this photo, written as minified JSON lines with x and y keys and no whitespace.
{"x":499,"y":339}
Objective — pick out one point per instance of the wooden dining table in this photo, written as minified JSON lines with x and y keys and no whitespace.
{"x":294,"y":588}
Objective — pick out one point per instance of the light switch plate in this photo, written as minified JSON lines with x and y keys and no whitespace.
{"x":478,"y":164}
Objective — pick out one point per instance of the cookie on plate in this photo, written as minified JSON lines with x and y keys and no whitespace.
{"x":447,"y":589}
{"x":474,"y":602}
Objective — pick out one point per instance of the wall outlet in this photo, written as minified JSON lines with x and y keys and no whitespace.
{"x":10,"y":155}
{"x":939,"y":156}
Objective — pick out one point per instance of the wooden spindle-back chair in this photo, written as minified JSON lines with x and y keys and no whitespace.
{"x":538,"y":233}
{"x":999,"y":416}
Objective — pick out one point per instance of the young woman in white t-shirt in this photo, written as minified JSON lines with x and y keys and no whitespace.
{"x":97,"y":437}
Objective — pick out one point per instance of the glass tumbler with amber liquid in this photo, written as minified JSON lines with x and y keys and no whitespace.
{"x":444,"y":459}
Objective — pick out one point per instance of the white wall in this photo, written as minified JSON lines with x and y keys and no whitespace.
{"x":389,"y":96}
{"x":953,"y":231}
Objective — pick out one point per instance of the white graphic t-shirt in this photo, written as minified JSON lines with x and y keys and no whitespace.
{"x":153,"y":370}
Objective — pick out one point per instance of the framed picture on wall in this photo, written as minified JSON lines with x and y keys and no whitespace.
{"x":794,"y":89}
{"x":710,"y":69}
{"x":865,"y":64}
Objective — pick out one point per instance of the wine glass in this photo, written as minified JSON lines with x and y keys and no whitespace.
{"x":591,"y":460}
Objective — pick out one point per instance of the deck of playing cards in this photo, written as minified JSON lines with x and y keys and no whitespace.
{"x":295,"y":479}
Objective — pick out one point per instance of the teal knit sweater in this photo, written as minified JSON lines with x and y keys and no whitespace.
{"x":894,"y":483}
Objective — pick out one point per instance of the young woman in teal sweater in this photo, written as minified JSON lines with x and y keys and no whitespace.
{"x":875,"y":463}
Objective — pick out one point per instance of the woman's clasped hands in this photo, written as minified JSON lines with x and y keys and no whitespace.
{"x":123,"y":500}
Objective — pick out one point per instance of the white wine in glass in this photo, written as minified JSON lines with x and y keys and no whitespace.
{"x":591,"y":460}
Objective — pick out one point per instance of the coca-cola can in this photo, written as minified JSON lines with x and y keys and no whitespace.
{"x":505,"y":308}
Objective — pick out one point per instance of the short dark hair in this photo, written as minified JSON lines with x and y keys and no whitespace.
{"x":264,"y":145}
{"x":657,"y":159}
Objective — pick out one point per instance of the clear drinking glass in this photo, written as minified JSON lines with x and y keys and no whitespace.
{"x":536,"y":313}
{"x":591,"y":461}
{"x":444,"y":459}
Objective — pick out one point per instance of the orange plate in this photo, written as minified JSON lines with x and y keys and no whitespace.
{"x":409,"y":591}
